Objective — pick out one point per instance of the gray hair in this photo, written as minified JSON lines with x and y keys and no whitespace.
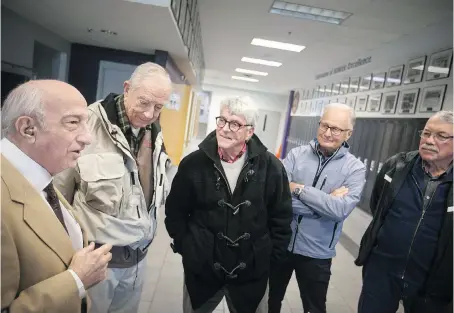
{"x":241,"y":106}
{"x":344,"y":107}
{"x":444,"y":116}
{"x":148,"y":70}
{"x":24,"y":100}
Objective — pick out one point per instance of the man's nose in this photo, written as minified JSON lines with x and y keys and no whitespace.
{"x":430,"y":140}
{"x":226,"y":127}
{"x":149,"y":113}
{"x":85,"y":136}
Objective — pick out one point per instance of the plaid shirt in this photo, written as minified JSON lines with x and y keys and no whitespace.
{"x":223,"y":158}
{"x":126,"y":128}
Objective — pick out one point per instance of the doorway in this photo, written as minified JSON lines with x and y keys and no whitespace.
{"x":48,"y":63}
{"x":111,"y":77}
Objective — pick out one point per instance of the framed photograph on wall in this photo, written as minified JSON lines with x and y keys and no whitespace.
{"x":342,"y":100}
{"x":361,"y":103}
{"x":414,"y":70}
{"x":439,"y":65}
{"x":365,"y":82}
{"x":373,"y":105}
{"x":351,"y":102}
{"x":389,"y":102}
{"x":354,"y":85}
{"x":378,"y":80}
{"x":344,"y":85}
{"x":394,"y":77}
{"x":333,"y":90}
{"x":432,"y":99}
{"x":336,"y":88}
{"x":407,"y":101}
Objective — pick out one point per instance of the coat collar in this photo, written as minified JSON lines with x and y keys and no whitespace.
{"x":36,"y":213}
{"x":339,"y":153}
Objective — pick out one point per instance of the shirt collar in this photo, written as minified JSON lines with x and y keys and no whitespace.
{"x":221,"y":155}
{"x":38,"y":176}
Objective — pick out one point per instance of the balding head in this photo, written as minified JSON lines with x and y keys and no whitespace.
{"x":46,"y":119}
{"x":336,"y":125}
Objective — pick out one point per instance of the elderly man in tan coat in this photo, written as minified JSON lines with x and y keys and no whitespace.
{"x":44,"y":130}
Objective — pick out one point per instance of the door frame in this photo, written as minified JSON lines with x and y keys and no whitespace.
{"x":107,"y":65}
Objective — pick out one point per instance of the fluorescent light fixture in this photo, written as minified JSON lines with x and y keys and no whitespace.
{"x":277,"y":45}
{"x":310,"y":13}
{"x":262,"y":62}
{"x":242,"y":70}
{"x":253,"y":80}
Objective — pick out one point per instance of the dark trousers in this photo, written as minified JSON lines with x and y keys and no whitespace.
{"x":383,"y":288}
{"x":312,"y":276}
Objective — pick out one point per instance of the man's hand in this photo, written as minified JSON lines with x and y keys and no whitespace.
{"x":293,"y":186}
{"x":91,"y":265}
{"x":340,"y":192}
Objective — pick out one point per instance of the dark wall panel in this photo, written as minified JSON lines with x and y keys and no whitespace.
{"x":84,"y":66}
{"x":374,"y":140}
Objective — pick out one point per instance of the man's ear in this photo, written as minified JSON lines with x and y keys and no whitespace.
{"x":126,"y":87}
{"x":26,"y":127}
{"x":250,"y":132}
{"x":349,"y":134}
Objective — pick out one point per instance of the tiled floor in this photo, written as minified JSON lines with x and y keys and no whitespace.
{"x":163,"y":288}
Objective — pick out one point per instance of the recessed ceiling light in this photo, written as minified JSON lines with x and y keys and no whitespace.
{"x":245,"y":78}
{"x":241,"y":70}
{"x":309,"y":13}
{"x":277,"y":45}
{"x":260,"y":61}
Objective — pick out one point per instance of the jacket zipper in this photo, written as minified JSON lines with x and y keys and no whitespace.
{"x":334,"y":232}
{"x":316,"y":178}
{"x":300,"y":217}
{"x":417,"y":228}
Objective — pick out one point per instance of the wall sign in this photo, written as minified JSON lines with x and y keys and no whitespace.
{"x":345,"y":67}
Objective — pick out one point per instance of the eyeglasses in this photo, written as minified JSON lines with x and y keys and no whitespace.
{"x":233,"y":126}
{"x":334,"y":130}
{"x":439,"y":137}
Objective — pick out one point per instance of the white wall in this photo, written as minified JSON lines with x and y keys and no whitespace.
{"x":263,"y":101}
{"x":18,"y":38}
{"x":432,"y":39}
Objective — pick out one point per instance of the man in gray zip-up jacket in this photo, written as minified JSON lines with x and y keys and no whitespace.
{"x":326,"y":183}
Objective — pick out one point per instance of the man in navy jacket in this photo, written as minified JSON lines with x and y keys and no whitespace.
{"x":407,"y":249}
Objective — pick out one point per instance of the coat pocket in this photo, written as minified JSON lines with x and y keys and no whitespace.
{"x":197,"y":249}
{"x":262,"y":254}
{"x":102,"y":181}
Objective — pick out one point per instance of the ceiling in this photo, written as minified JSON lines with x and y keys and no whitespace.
{"x":139,"y":25}
{"x":229,"y":26}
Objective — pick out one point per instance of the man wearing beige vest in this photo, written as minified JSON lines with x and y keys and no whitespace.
{"x":119,"y":183}
{"x":45,"y":267}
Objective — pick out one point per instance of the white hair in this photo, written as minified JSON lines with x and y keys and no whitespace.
{"x":444,"y":116}
{"x":24,"y":100}
{"x":343,"y":107}
{"x":146,"y":71}
{"x":241,"y":106}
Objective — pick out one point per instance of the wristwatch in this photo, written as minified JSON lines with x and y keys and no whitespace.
{"x":297,"y":191}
